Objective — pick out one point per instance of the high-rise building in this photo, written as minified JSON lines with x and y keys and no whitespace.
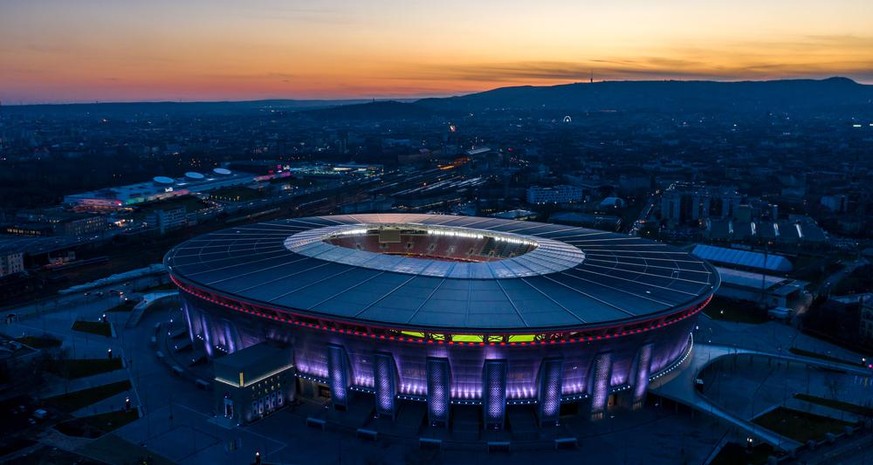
{"x":685,"y":202}
{"x":563,"y":194}
{"x":11,"y":262}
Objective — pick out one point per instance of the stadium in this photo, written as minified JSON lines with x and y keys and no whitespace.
{"x":444,"y":311}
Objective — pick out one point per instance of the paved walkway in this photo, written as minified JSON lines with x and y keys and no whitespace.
{"x":147,"y":301}
{"x":681,"y":387}
{"x":177,"y":414}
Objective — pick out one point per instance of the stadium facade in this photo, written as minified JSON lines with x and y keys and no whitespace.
{"x":446,"y":310}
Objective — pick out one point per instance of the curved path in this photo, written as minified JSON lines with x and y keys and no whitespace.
{"x":680,"y":387}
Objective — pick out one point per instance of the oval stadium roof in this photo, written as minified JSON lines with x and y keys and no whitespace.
{"x":617,"y":279}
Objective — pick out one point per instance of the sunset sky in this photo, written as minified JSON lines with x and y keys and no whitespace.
{"x":119,"y":50}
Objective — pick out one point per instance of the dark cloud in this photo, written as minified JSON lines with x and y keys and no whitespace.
{"x":654,"y":67}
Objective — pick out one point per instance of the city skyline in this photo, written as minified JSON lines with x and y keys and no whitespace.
{"x":55,"y":52}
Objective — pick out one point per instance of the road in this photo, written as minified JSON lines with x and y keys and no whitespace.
{"x":829,"y":282}
{"x":58,"y":302}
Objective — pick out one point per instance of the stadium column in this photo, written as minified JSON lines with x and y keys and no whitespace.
{"x":438,"y":390}
{"x":385,"y":378}
{"x":193,"y":324}
{"x":194,"y":321}
{"x":207,"y":334}
{"x":549,"y":390}
{"x":640,"y":376}
{"x":337,"y":371}
{"x":494,"y":393}
{"x":601,"y":374}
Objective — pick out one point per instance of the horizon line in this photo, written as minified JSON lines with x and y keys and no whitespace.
{"x":413,"y":98}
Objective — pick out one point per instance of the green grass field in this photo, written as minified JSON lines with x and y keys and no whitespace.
{"x":124,"y":306}
{"x":97,"y":425}
{"x":733,"y":453}
{"x":40,"y":342}
{"x":828,"y":358}
{"x":80,"y":399}
{"x":864,"y":411}
{"x":93,"y":327}
{"x":800,"y":426}
{"x":80,"y":368}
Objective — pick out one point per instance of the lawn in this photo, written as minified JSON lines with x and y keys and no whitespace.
{"x":837,"y":404}
{"x":733,"y":453}
{"x":40,"y":342}
{"x":93,"y":327}
{"x":828,"y":358}
{"x":800,"y":426}
{"x":735,"y":311}
{"x":52,"y":456}
{"x":124,"y":306}
{"x":97,"y":425}
{"x":79,"y":399}
{"x":79,"y":368}
{"x":112,"y":449}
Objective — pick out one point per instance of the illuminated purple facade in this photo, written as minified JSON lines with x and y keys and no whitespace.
{"x":399,"y":306}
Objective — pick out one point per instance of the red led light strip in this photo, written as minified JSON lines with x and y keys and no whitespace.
{"x":286,"y":317}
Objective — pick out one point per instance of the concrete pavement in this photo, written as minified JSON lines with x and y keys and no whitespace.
{"x":178,"y":424}
{"x":743,"y":400}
